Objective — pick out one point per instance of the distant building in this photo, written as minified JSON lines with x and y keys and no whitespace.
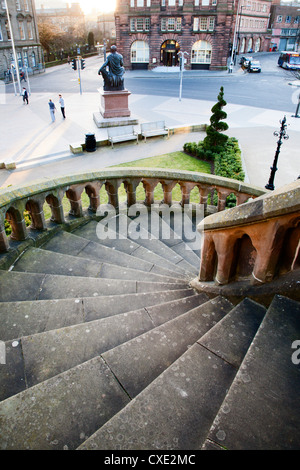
{"x":252,"y":23}
{"x":106,"y":25}
{"x":153,"y":32}
{"x":25,"y":35}
{"x":285,"y":26}
{"x":68,"y":18}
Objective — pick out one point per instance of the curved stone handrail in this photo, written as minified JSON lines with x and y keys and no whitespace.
{"x":257,"y":241}
{"x":15,"y":201}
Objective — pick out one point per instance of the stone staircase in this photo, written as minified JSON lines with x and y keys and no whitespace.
{"x":108,"y":347}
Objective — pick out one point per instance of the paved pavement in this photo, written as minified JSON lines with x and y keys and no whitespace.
{"x":40,"y":148}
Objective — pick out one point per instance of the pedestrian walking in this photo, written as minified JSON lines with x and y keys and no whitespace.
{"x":52,"y":110}
{"x":62,"y":106}
{"x":69,"y":60}
{"x":25,"y":95}
{"x":22,"y":76}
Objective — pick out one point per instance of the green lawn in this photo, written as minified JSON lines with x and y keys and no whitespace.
{"x":174,"y":161}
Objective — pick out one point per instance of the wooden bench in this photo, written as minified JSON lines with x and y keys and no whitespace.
{"x":151,"y":129}
{"x":121,"y":134}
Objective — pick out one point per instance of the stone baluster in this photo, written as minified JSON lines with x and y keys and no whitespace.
{"x":204,"y":192}
{"x":35,"y":209}
{"x":93,"y":190}
{"x":17,"y":223}
{"x":130,"y":187}
{"x":241,"y":198}
{"x":149,"y":186}
{"x":168,"y":186}
{"x":208,"y":258}
{"x":57,"y":211}
{"x":225,"y":245}
{"x":74,"y":196}
{"x":4,"y":244}
{"x":222,"y":196}
{"x":112,"y":187}
{"x":186,"y":189}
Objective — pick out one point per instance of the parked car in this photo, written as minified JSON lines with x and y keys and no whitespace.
{"x":254,"y":66}
{"x":244,"y":61}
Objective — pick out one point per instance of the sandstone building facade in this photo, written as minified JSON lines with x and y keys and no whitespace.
{"x":153,"y":32}
{"x":25,"y":35}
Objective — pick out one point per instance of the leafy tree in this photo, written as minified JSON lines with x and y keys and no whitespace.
{"x":214,"y":139}
{"x":91,"y":40}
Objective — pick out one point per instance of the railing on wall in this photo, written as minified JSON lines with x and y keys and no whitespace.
{"x":15,"y":201}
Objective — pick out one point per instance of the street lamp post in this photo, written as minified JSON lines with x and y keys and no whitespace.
{"x":13,"y":46}
{"x":282,"y":135}
{"x":181,"y":55}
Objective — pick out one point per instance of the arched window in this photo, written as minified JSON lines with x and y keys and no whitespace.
{"x":257,"y":45}
{"x":139,"y":52}
{"x":250,"y":45}
{"x":201,"y":54}
{"x":243,"y":44}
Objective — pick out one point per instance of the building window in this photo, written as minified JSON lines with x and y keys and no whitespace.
{"x":20,"y":61}
{"x":205,"y":3}
{"x":171,"y":24}
{"x":33,"y":59}
{"x":29,"y":30}
{"x":288,"y":19}
{"x":26,"y":6}
{"x":3,"y":5}
{"x":139,"y":24}
{"x":163,"y":3}
{"x":196,"y":3}
{"x":139,"y":52}
{"x":140,"y":3}
{"x":25,"y":55}
{"x":296,"y":20}
{"x":201,"y":53}
{"x":172,"y":3}
{"x":132,"y":3}
{"x":21,"y":30}
{"x":1,"y":36}
{"x":279,"y":19}
{"x":7,"y":30}
{"x":18,"y":5}
{"x":204,"y":23}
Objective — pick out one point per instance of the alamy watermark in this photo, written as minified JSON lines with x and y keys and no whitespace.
{"x":2,"y":353}
{"x":296,"y":354}
{"x":159,"y":222}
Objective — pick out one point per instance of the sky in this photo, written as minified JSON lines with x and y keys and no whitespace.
{"x":86,"y":5}
{"x":101,"y":5}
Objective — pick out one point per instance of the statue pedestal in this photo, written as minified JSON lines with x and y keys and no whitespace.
{"x":114,"y":104}
{"x":114,"y":110}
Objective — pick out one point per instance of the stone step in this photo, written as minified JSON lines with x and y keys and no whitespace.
{"x":36,"y":260}
{"x":36,"y":358}
{"x":70,"y":244}
{"x":139,"y":361}
{"x":176,"y":409}
{"x":60,"y":413}
{"x":265,"y":392}
{"x":30,"y":317}
{"x":180,"y":234}
{"x":126,"y":245}
{"x":17,"y":286}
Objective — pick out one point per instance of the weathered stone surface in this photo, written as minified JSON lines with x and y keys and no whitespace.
{"x":138,"y":362}
{"x":60,"y":413}
{"x":261,"y":409}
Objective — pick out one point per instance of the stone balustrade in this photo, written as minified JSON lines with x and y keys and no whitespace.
{"x":15,"y":201}
{"x":257,"y":241}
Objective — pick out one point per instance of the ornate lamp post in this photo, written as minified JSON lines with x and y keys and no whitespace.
{"x":282,"y":135}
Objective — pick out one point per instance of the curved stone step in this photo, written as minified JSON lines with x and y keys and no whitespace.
{"x":36,"y":260}
{"x":69,"y":244}
{"x":265,"y":392}
{"x":17,"y":286}
{"x":177,"y":408}
{"x":35,"y":358}
{"x":139,"y":361}
{"x":126,"y":245}
{"x":61,"y":412}
{"x":30,"y":317}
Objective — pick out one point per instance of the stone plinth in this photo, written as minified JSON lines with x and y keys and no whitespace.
{"x":114,"y":104}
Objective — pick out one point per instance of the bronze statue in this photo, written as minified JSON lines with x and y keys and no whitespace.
{"x":114,"y":76}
